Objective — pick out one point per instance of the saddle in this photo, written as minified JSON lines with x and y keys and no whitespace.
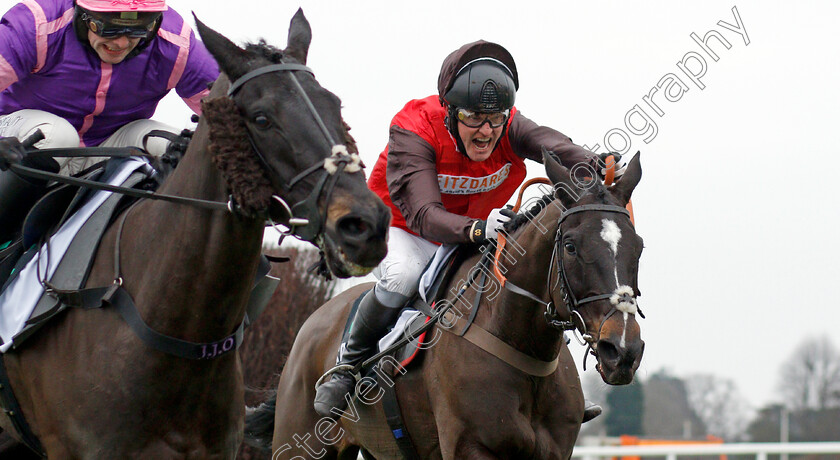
{"x":393,"y":359}
{"x":414,"y":314}
{"x":62,"y":200}
{"x":41,"y":224}
{"x":47,"y":217}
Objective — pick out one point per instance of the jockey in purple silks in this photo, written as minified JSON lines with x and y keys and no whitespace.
{"x":88,"y":73}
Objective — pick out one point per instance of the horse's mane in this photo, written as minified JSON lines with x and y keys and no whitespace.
{"x":598,"y":193}
{"x":526,"y":216}
{"x":265,"y":51}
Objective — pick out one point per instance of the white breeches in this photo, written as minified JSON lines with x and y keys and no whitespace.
{"x":59,"y":133}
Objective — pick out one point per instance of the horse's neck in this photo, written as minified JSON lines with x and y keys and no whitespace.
{"x":515,"y":318}
{"x":196,"y":175}
{"x":186,"y":259}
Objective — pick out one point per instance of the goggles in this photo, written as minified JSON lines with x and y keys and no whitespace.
{"x":476,"y":120}
{"x":117,"y":27}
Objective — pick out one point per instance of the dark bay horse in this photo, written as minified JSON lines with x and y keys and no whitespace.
{"x":88,"y":386}
{"x":569,"y":263}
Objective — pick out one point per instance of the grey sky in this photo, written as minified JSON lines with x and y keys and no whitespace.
{"x":735,"y":206}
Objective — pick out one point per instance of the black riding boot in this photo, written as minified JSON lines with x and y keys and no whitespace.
{"x":370,"y":324}
{"x":18,"y":194}
{"x":590,"y":411}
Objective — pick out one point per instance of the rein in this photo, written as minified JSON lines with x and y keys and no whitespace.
{"x":116,"y":296}
{"x":116,"y":152}
{"x":132,"y":192}
{"x":308,"y":227}
{"x":572,"y":304}
{"x":550,"y":311}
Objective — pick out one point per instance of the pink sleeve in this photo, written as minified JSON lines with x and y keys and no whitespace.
{"x":194,"y":102}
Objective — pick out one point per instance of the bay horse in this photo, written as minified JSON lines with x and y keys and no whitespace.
{"x":518,"y":397}
{"x":88,"y":386}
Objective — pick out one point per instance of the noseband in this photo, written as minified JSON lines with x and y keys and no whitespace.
{"x":305,"y":221}
{"x":618,"y":298}
{"x":573,"y":305}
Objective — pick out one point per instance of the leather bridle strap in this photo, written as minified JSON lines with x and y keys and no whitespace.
{"x":132,"y":192}
{"x":262,"y":71}
{"x":592,"y":207}
{"x":575,"y":303}
{"x":497,"y":347}
{"x":572,"y":303}
{"x":285,"y":67}
{"x":305,"y":221}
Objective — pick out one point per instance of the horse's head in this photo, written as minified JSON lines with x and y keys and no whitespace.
{"x":597,"y":253}
{"x":296,"y":148}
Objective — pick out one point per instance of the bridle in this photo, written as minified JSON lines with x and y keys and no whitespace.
{"x":618,"y":299}
{"x":303,"y":218}
{"x":303,"y":227}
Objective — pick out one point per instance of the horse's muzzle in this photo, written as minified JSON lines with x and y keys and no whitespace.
{"x":619,"y":350}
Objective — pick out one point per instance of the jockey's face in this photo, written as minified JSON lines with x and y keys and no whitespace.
{"x":112,"y":50}
{"x":480,"y":141}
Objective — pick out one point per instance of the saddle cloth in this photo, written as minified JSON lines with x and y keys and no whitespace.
{"x":23,"y":293}
{"x":433,"y":270}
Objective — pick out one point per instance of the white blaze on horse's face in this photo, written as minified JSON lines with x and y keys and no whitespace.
{"x":623,"y":298}
{"x":612,"y":235}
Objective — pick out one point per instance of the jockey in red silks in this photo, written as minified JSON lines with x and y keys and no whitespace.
{"x":452,"y":162}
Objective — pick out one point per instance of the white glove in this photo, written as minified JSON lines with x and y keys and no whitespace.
{"x":496,"y":220}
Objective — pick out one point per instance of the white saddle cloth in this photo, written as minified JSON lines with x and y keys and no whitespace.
{"x":21,"y":296}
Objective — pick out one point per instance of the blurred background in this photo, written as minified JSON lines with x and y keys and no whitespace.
{"x":734,"y":107}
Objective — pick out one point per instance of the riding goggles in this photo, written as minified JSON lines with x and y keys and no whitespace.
{"x":476,"y":120}
{"x":138,"y":25}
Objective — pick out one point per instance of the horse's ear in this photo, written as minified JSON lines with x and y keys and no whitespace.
{"x":561,"y":178}
{"x":300,"y":35}
{"x":623,"y":188}
{"x":232,"y":59}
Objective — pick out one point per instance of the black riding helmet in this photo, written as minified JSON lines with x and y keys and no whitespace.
{"x":480,"y":77}
{"x":85,"y":19}
{"x":484,"y":85}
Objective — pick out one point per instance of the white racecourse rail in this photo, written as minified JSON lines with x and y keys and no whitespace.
{"x":760,"y":450}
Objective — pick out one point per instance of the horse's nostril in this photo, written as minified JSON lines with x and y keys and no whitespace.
{"x":353,"y":226}
{"x":607,"y":352}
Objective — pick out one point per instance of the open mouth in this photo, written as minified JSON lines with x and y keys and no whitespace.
{"x":114,"y":51}
{"x":340,"y":263}
{"x":482,"y":143}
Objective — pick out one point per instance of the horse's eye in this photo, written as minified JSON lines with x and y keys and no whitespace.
{"x":262,"y":121}
{"x":570,"y":247}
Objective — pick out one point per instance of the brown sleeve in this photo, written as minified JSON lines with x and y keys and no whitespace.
{"x":413,"y":185}
{"x":527,"y":138}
